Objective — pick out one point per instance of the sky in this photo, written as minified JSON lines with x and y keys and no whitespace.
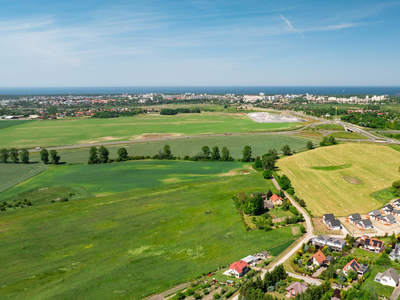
{"x":47,"y":43}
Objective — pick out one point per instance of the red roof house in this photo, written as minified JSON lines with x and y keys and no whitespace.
{"x":239,"y":268}
{"x":276,"y":199}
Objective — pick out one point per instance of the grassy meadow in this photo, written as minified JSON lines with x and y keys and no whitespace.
{"x":105,"y":179}
{"x":72,"y":131}
{"x":10,"y":123}
{"x":128,"y":245}
{"x":340,"y":179}
{"x":260,"y":144}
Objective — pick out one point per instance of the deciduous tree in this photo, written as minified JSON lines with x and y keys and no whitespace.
{"x":226,"y":154}
{"x":93,"y":157}
{"x":24,"y":156}
{"x":103,"y":154}
{"x":122,"y":154}
{"x":215,"y":155}
{"x":206,"y":152}
{"x":14,"y":155}
{"x":44,"y":156}
{"x":310,"y":145}
{"x":286,"y":150}
{"x":54,"y":157}
{"x":246,"y":154}
{"x":4,"y":154}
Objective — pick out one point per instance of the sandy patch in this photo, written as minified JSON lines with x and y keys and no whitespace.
{"x":295,"y":230}
{"x":352,"y":180}
{"x":170,"y":180}
{"x":234,"y":172}
{"x":103,"y":139}
{"x":148,"y":136}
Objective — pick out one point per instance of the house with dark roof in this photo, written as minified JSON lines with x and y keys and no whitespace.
{"x":395,"y":254}
{"x":328,"y":217}
{"x":334,"y":225}
{"x":296,"y":288}
{"x":374,"y":215}
{"x":395,"y":212}
{"x":386,"y":209}
{"x":239,"y":268}
{"x":370,"y":244}
{"x":390,"y":277}
{"x":318,"y":258}
{"x":364,"y":224}
{"x":353,"y":218}
{"x":388,"y":219}
{"x":396,"y":203}
{"x":356,"y":267}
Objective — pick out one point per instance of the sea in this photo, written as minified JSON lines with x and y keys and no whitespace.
{"x":268,"y":90}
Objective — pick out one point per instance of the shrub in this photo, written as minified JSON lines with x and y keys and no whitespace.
{"x":64,"y":199}
{"x":197,"y":296}
{"x":216,"y":296}
{"x":267,"y":174}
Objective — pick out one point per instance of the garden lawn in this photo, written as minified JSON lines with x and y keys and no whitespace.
{"x":345,"y":190}
{"x":259,"y":143}
{"x":129,"y":245}
{"x":104,"y":179}
{"x":72,"y":131}
{"x":372,"y":286}
{"x":362,"y":253}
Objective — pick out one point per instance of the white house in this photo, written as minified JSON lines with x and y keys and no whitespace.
{"x":326,"y":240}
{"x":354,"y":218}
{"x":239,"y":268}
{"x":386,"y":209}
{"x":390,"y":277}
{"x":374,"y":215}
{"x":396,"y":203}
{"x":364,"y":224}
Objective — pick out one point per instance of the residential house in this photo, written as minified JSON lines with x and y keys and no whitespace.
{"x":354,"y":218}
{"x":395,"y":254}
{"x":356,"y":267}
{"x":388,"y":219}
{"x":318,"y":258}
{"x":395,"y":212}
{"x":239,"y":268}
{"x":364,"y":224}
{"x":336,"y":244}
{"x":374,"y":215}
{"x":390,"y":277}
{"x":386,"y":209}
{"x":276,"y":199}
{"x":327,"y":217}
{"x":370,"y":244}
{"x":296,"y":288}
{"x":334,"y":225}
{"x":396,"y":203}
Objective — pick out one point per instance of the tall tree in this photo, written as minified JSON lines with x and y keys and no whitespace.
{"x":93,"y":157}
{"x":246,"y":154}
{"x":4,"y":154}
{"x":24,"y":156}
{"x":286,"y":150}
{"x":14,"y":155}
{"x":206,"y":152}
{"x":268,"y":162}
{"x":273,"y":153}
{"x":215,"y":153}
{"x":167,"y":151}
{"x":44,"y":156}
{"x":310,"y":145}
{"x":122,"y":154}
{"x":226,"y":154}
{"x":103,"y":154}
{"x":54,"y":157}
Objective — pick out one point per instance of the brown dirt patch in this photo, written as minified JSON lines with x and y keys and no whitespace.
{"x":352,"y":180}
{"x":148,"y":136}
{"x":170,"y":180}
{"x":295,"y":230}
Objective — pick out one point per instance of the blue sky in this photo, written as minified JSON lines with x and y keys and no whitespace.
{"x":47,"y":43}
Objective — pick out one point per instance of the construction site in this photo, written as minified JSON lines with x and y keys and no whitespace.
{"x":264,"y":117}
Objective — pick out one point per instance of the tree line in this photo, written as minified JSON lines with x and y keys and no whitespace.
{"x":14,"y":155}
{"x":171,"y":111}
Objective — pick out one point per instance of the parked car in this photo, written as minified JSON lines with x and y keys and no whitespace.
{"x":37,"y":148}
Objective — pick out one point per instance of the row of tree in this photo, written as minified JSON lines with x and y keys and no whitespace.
{"x":171,"y":111}
{"x":15,"y":155}
{"x":54,"y":157}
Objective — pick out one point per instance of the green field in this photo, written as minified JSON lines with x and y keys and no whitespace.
{"x":127,"y":245}
{"x":104,"y":179}
{"x":329,"y":127}
{"x":72,"y":131}
{"x":260,"y":144}
{"x":348,"y":135}
{"x":12,"y":174}
{"x":341,"y":190}
{"x":10,"y":123}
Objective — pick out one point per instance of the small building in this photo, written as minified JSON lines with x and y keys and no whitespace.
{"x":334,"y":225}
{"x":395,"y":254}
{"x":388,"y":219}
{"x":276,"y":199}
{"x":374,"y":215}
{"x":364,"y":224}
{"x":11,"y":118}
{"x":318,"y":258}
{"x":396,"y":203}
{"x":370,"y":244}
{"x":354,"y":218}
{"x":386,"y":209}
{"x":390,"y":277}
{"x":296,"y":288}
{"x":250,"y":259}
{"x":327,"y":217}
{"x":239,"y":268}
{"x":356,"y":267}
{"x":329,"y":259}
{"x":395,"y":212}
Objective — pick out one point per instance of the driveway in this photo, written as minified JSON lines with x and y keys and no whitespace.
{"x":395,"y":294}
{"x":307,"y":279}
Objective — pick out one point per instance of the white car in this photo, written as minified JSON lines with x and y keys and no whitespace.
{"x":37,"y":148}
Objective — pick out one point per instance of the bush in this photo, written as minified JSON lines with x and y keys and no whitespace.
{"x":267,"y":174}
{"x":216,"y":296}
{"x":197,"y":296}
{"x":63,"y":199}
{"x":228,"y":294}
{"x":293,"y":210}
{"x":396,"y":184}
{"x":302,"y":229}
